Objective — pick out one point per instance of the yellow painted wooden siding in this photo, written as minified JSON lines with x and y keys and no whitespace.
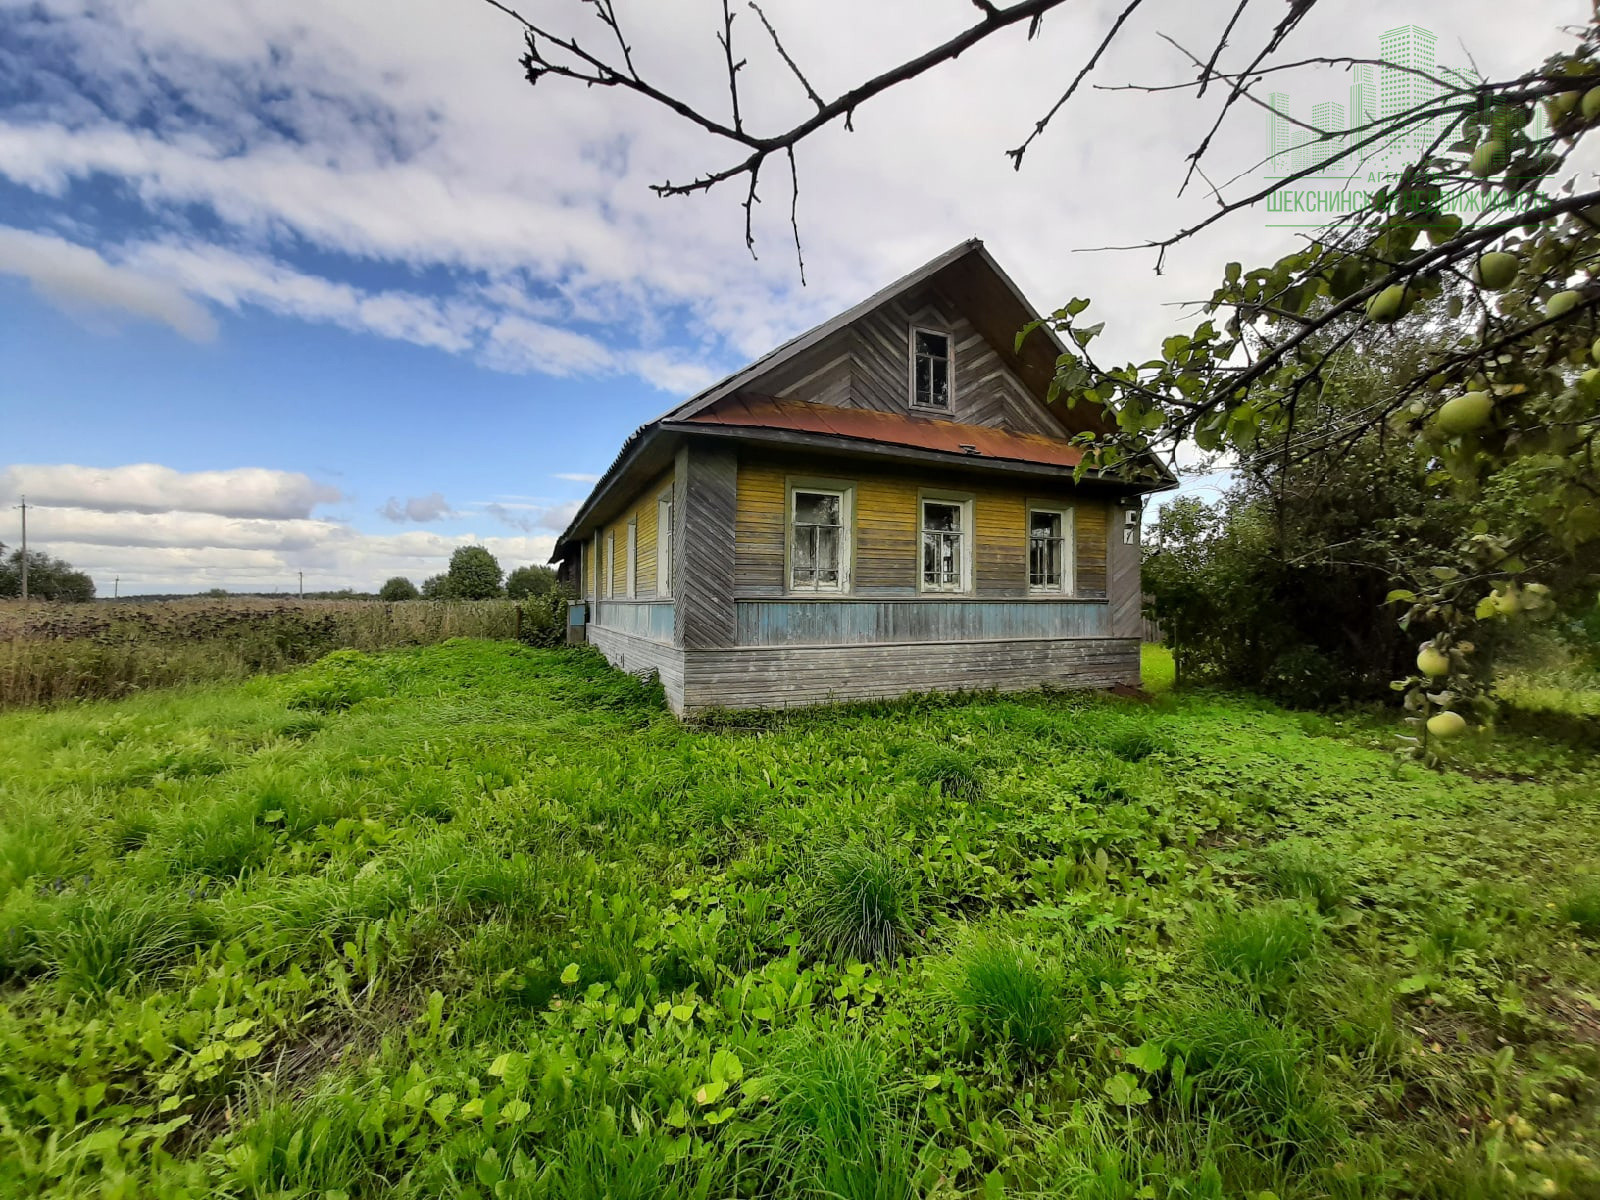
{"x":643,"y":510}
{"x":758,"y":527}
{"x":885,"y":540}
{"x":1090,"y":522}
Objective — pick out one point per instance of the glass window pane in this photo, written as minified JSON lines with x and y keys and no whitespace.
{"x":1046,"y":524}
{"x":816,"y":508}
{"x":935,"y":345}
{"x":941,"y":516}
{"x":941,"y":384}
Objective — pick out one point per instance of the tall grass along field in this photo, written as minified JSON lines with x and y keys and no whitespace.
{"x":479,"y":920}
{"x":51,"y":653}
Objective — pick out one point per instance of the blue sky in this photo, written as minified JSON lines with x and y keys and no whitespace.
{"x":293,"y":286}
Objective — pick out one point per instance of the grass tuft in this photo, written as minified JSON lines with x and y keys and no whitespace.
{"x":838,"y":1122}
{"x":1008,"y":998}
{"x":102,"y":940}
{"x":1262,"y":946}
{"x":951,"y":770}
{"x":1253,"y":1073}
{"x":1298,"y":868}
{"x":862,"y":904}
{"x":1582,"y":907}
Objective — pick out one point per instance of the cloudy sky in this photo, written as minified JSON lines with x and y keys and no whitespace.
{"x":324,"y":286}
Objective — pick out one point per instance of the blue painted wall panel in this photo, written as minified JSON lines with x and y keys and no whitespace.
{"x":846,"y":622}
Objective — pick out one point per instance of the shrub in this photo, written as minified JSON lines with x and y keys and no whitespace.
{"x":544,"y":620}
{"x":398,"y":588}
{"x":1008,"y":998}
{"x":862,"y":904}
{"x":951,"y":770}
{"x":1582,"y":907}
{"x":1260,"y":946}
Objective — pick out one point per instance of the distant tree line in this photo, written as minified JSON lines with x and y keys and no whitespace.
{"x":48,"y":578}
{"x":473,"y":574}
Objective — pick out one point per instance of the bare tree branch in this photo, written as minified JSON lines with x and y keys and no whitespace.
{"x":1039,"y":127}
{"x":784,"y":54}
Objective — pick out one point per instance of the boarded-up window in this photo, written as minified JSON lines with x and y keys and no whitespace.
{"x":664,"y":546}
{"x":816,"y":546}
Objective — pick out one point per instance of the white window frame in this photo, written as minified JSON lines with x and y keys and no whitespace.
{"x":664,"y":545}
{"x":950,"y":368}
{"x":845,"y":491}
{"x":960,"y":500}
{"x":1069,"y":556}
{"x":610,"y":580}
{"x":630,"y":565}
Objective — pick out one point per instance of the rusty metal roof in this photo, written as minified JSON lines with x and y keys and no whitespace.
{"x":894,"y":429}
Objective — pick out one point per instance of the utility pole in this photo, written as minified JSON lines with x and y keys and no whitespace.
{"x":302,"y":585}
{"x":116,"y":585}
{"x":24,"y":507}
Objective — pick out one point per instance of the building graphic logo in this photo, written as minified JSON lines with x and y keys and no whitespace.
{"x":1322,"y":142}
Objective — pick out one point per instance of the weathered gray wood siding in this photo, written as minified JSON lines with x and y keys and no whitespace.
{"x":838,"y":622}
{"x":1123,"y":561}
{"x":867,"y":364}
{"x":704,"y":588}
{"x":778,"y":677}
{"x":639,"y":656}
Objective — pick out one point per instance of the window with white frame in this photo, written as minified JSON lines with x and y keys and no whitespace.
{"x":818,"y":540}
{"x":945,"y":545}
{"x":610,"y":580}
{"x":1050,"y":550}
{"x":664,"y":546}
{"x":930,"y":369}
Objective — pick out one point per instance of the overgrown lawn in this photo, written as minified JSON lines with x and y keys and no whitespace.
{"x":482,"y":920}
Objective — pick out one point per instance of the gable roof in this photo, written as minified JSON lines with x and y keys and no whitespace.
{"x":998,"y":311}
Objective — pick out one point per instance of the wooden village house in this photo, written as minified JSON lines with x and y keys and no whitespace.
{"x":882,"y":505}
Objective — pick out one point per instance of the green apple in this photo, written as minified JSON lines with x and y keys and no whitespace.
{"x":1431,"y":662}
{"x":1562,"y":104}
{"x":1496,"y":271}
{"x":1594,"y":350}
{"x":1590,"y":381}
{"x":1562,"y":303}
{"x":1446,"y":724}
{"x":1507,"y":602}
{"x":1444,"y":228}
{"x":1489,"y":159}
{"x":1466,"y":413}
{"x":1389,"y":305}
{"x":1591,"y":104}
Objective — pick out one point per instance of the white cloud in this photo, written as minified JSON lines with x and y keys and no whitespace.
{"x":149,"y":488}
{"x":421,"y":509}
{"x":577,"y":477}
{"x":78,"y":280}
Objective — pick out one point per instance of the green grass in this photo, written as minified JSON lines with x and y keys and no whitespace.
{"x":476,"y":919}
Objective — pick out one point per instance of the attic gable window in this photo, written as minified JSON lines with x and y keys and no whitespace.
{"x":930,"y":369}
